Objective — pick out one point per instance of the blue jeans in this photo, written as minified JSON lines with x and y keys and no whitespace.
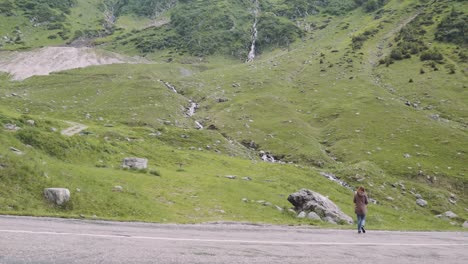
{"x":361,"y":221}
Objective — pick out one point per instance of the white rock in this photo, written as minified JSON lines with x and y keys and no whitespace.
{"x":57,"y":196}
{"x":135,"y":163}
{"x":450,"y":214}
{"x":301,"y":215}
{"x":117,"y":189}
{"x":421,"y":202}
{"x":313,"y":216}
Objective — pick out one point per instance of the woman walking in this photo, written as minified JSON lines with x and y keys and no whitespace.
{"x":360,"y":200}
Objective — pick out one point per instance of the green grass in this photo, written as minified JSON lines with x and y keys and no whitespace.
{"x":318,"y":104}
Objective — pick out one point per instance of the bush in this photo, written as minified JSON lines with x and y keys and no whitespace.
{"x":452,"y":28}
{"x":431,"y":55}
{"x":396,"y":54}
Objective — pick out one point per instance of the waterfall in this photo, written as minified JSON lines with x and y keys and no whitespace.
{"x":199,"y":126}
{"x":251,"y":55}
{"x":267,"y":157}
{"x":192,"y":108}
{"x":191,"y":111}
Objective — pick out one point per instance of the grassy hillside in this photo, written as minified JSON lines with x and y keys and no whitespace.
{"x":337,"y":100}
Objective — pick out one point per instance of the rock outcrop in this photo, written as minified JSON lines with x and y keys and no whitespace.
{"x":310,"y":201}
{"x":58,"y":196}
{"x":135,"y":163}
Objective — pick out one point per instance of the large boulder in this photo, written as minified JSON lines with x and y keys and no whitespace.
{"x":58,"y":196}
{"x":310,"y":201}
{"x":135,"y":163}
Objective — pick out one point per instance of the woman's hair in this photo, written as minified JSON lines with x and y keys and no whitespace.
{"x":361,"y":189}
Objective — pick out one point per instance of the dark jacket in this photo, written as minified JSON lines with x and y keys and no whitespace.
{"x":360,"y":199}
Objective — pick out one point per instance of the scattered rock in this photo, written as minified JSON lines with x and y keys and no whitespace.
{"x":421,"y":202}
{"x":232,"y":177}
{"x":390,"y":198}
{"x":406,"y":155}
{"x":450,"y":214}
{"x":16,"y":151}
{"x":30,"y":122}
{"x":302,"y":215}
{"x":310,"y":201}
{"x":418,"y":196}
{"x":452,"y":201}
{"x":11,"y":127}
{"x":58,"y":196}
{"x":246,"y":178}
{"x":135,"y":163}
{"x":117,"y":189}
{"x":245,"y":200}
{"x":313,"y":216}
{"x":279,"y":208}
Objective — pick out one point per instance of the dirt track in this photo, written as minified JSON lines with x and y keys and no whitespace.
{"x":22,"y":65}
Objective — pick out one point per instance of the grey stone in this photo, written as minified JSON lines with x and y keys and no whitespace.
{"x":16,"y":151}
{"x":279,"y":208}
{"x":246,"y":178}
{"x":390,"y":198}
{"x":313,"y":216}
{"x":12,"y":127}
{"x":245,"y":200}
{"x":302,"y":215}
{"x":310,"y":201}
{"x":232,"y":177}
{"x":418,"y":196}
{"x":450,"y":214}
{"x":421,"y":202}
{"x":31,"y":122}
{"x":452,"y":201}
{"x":135,"y":163}
{"x":58,"y":196}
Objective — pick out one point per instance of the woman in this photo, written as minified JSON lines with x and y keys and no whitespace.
{"x":360,"y":199}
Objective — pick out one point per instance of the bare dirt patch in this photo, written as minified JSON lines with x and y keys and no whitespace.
{"x":22,"y":65}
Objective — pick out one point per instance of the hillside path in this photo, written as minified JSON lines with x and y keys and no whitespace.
{"x":74,"y":129}
{"x":49,"y":240}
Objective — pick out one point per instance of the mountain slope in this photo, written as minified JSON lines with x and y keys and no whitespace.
{"x":338,"y":100}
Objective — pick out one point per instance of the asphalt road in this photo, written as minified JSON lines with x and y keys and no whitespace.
{"x":50,"y":240}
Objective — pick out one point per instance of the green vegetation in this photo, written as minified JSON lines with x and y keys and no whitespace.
{"x":316,"y":99}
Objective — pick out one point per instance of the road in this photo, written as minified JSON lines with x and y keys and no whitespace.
{"x":50,"y":240}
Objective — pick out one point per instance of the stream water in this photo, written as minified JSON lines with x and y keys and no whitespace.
{"x":191,"y":109}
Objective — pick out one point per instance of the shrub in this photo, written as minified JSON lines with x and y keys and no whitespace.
{"x":431,"y":55}
{"x":396,"y":54}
